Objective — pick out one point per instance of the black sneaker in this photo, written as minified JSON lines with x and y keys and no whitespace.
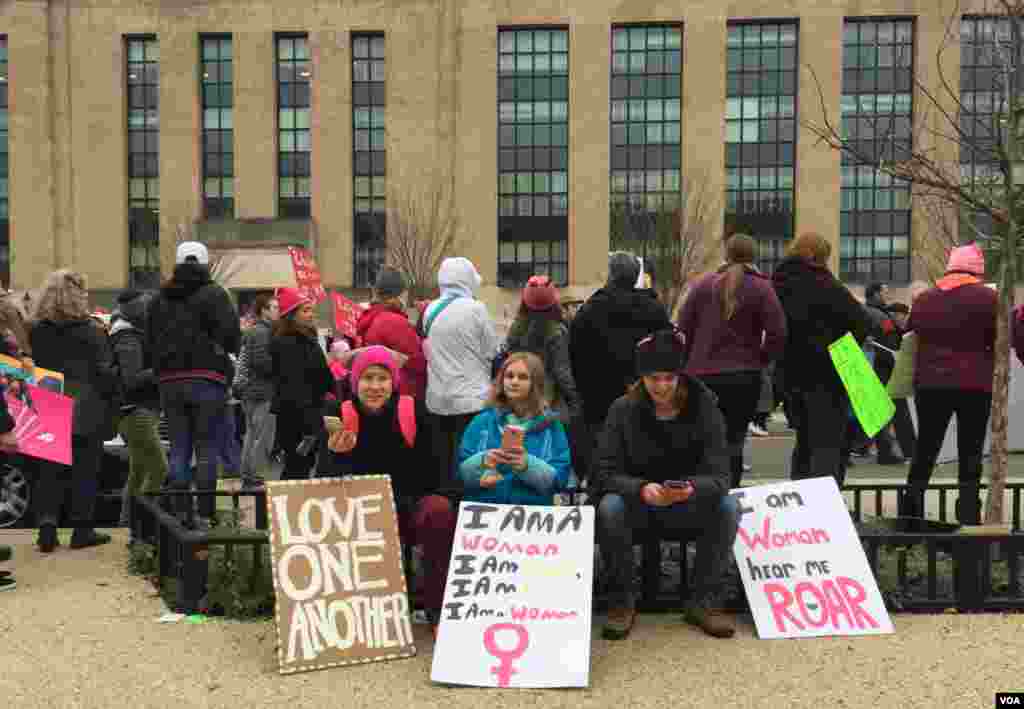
{"x":85,"y":538}
{"x":7,"y":583}
{"x":6,"y":553}
{"x":4,"y":574}
{"x":47,"y":540}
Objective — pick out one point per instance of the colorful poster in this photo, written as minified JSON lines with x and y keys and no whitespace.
{"x":802,"y":563}
{"x":45,"y":378}
{"x":346,"y":314}
{"x":517,"y":607}
{"x":42,"y":422}
{"x":871,"y":403}
{"x":307,"y":274}
{"x":338,"y":577}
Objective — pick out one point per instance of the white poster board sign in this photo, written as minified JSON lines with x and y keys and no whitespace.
{"x":802,"y":563}
{"x":517,"y":607}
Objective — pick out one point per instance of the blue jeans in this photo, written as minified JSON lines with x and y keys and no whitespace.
{"x":713,"y":519}
{"x":195,"y":411}
{"x":230,"y":446}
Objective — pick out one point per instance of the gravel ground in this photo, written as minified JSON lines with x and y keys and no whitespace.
{"x":79,"y":632}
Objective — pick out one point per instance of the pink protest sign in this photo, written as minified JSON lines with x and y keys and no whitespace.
{"x":42,"y":422}
{"x":346,"y":314}
{"x":802,"y":563}
{"x":307,"y":275}
{"x":517,"y":606}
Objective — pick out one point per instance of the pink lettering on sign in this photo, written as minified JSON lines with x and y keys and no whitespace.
{"x":818,"y":603}
{"x":526,"y":613}
{"x":778,"y":540}
{"x":504,"y":669}
{"x":494,"y":544}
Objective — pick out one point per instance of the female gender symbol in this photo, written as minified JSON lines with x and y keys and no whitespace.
{"x":504,"y":669}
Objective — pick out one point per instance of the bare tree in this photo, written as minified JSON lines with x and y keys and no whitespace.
{"x":674,"y":241}
{"x":221,"y":270}
{"x":422,"y":230}
{"x":987,"y":207}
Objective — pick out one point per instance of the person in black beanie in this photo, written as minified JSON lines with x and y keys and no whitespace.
{"x":663,"y":462}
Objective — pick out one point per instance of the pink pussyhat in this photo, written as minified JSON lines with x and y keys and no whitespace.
{"x":370,"y":357}
{"x":967,"y":259}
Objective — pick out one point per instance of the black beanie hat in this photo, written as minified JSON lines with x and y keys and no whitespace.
{"x":661,"y":352}
{"x":390,"y":283}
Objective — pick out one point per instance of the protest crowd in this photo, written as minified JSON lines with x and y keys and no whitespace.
{"x":643,"y":410}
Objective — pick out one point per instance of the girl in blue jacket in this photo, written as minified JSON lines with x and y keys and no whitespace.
{"x":529,"y":472}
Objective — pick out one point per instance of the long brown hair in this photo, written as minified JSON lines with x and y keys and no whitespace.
{"x":12,"y":321}
{"x":739,"y":255}
{"x":637,"y":393}
{"x":289,"y":325}
{"x":536,"y":402}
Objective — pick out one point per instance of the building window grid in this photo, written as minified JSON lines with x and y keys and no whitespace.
{"x":645,"y":131}
{"x":760,"y":142}
{"x":5,"y":207}
{"x":533,"y":154}
{"x":982,"y":104}
{"x":217,"y":84}
{"x":143,"y":75}
{"x":877,"y":122}
{"x":294,"y":80}
{"x":369,"y":156}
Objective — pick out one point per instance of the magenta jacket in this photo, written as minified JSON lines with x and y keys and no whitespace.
{"x":750,"y":340}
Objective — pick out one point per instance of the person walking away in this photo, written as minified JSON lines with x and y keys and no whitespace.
{"x":734,"y":328}
{"x":460,"y":343}
{"x":889,"y":336}
{"x":819,"y":310}
{"x":602,"y":340}
{"x":663,"y":464}
{"x":302,"y":380}
{"x":901,"y":420}
{"x":191,"y":328}
{"x":64,"y":337}
{"x":516,"y":452}
{"x":387,"y":324}
{"x":386,"y":432}
{"x":257,"y":393}
{"x":140,"y":401}
{"x":955,"y":322}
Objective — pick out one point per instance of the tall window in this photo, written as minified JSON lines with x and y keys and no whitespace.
{"x":877,"y":110}
{"x":143,"y":161}
{"x":293,"y":103}
{"x":368,"y":156}
{"x":982,"y":107}
{"x":760,"y":140}
{"x":218,"y":134}
{"x":533,"y":155}
{"x":5,"y":205}
{"x":645,"y":182}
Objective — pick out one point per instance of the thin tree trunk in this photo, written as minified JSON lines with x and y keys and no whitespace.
{"x":994,"y":513}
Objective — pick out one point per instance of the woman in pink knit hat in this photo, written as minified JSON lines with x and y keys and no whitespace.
{"x":955,"y":323}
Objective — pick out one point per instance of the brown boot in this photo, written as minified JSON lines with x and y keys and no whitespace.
{"x":620,"y":622}
{"x":712,"y":621}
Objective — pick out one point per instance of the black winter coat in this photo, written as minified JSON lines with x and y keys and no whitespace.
{"x":636,"y":448}
{"x":302,"y":379}
{"x":381,"y":450}
{"x":135,"y":367}
{"x":602,"y":340}
{"x":81,"y":350}
{"x":256,"y":344}
{"x":191,"y":328}
{"x":819,"y":310}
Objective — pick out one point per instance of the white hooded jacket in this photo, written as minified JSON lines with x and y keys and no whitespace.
{"x":460,"y":344}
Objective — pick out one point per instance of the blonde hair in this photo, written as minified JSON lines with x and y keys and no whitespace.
{"x":739,"y":253}
{"x":64,"y":296}
{"x":536,"y":402}
{"x":812,"y":247}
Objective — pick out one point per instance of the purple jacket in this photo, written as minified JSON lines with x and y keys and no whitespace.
{"x":956,"y":338}
{"x":750,"y":340}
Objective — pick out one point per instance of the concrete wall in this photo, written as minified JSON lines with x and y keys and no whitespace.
{"x":68,"y":135}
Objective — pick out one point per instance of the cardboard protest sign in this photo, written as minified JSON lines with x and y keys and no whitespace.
{"x":517,"y":607}
{"x":307,"y":275}
{"x":42,"y":422}
{"x":871,"y":404}
{"x":45,"y":378}
{"x":337,"y":568}
{"x":802,"y":563}
{"x":346,"y":314}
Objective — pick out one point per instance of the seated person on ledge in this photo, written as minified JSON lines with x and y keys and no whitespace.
{"x":514,"y":452}
{"x":663,"y":462}
{"x":384,"y":435}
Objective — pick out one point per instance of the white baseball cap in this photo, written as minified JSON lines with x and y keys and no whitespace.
{"x":195,"y":250}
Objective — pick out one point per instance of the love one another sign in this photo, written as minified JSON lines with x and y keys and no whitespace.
{"x":802,"y":563}
{"x":338,"y":578}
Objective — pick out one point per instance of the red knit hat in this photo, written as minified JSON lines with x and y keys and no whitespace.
{"x":288,"y":299}
{"x":540,"y":294}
